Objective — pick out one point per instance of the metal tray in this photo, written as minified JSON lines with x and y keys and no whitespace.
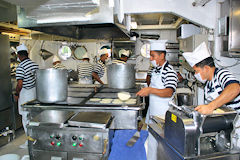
{"x":98,"y":103}
{"x":114,"y":90}
{"x":111,"y":95}
{"x":84,"y":85}
{"x":77,"y":89}
{"x":51,"y":118}
{"x":79,"y":94}
{"x":91,"y":119}
{"x":74,"y":100}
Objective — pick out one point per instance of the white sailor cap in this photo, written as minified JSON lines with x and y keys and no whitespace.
{"x":124,"y":52}
{"x":85,"y":55}
{"x":55,"y":59}
{"x":200,"y":53}
{"x":158,"y":45}
{"x":22,"y":47}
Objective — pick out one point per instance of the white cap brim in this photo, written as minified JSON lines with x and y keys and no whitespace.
{"x":200,"y":53}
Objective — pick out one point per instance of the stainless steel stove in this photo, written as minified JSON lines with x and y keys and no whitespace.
{"x":61,"y":135}
{"x":125,"y":115}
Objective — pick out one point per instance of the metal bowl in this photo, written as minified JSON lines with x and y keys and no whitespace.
{"x":185,"y":99}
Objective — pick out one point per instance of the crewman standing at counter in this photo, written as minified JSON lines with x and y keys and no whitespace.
{"x":25,"y":90}
{"x":221,"y":87}
{"x":161,"y":90}
{"x":124,"y":55}
{"x":85,"y":69}
{"x":100,"y":70}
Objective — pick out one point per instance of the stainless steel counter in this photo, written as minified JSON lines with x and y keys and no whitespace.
{"x":182,"y":137}
{"x":167,"y":152}
{"x":125,"y":115}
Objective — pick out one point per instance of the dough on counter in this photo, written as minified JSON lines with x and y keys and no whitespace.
{"x":123,"y":96}
{"x":95,"y":99}
{"x":106,"y":100}
{"x":218,"y":111}
{"x":117,"y":101}
{"x":131,"y":101}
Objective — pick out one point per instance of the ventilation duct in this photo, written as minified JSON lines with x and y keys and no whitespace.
{"x":85,"y":19}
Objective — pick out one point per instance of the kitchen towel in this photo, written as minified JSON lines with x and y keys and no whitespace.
{"x":120,"y":151}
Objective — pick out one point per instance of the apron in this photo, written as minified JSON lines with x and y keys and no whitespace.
{"x":157,"y":105}
{"x":25,"y":96}
{"x":213,"y":95}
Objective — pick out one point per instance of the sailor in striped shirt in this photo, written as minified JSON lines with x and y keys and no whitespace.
{"x":123,"y":54}
{"x":85,"y":70}
{"x":25,"y":90}
{"x":222,"y":88}
{"x":221,"y":79}
{"x":99,"y":70}
{"x":161,"y":90}
{"x":163,"y":81}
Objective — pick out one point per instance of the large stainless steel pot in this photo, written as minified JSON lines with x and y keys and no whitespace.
{"x":185,"y":99}
{"x":51,"y":85}
{"x":121,"y":76}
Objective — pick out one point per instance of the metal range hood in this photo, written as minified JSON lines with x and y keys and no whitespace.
{"x":85,"y":19}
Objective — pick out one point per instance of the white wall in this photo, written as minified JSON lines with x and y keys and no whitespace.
{"x":34,"y":47}
{"x":92,"y":48}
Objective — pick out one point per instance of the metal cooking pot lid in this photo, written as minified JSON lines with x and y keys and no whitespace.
{"x":91,"y":119}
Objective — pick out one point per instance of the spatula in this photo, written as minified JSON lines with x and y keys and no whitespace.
{"x":136,"y":135}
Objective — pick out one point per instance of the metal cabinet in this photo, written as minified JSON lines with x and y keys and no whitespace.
{"x":5,"y":81}
{"x":229,"y":25}
{"x":189,"y":44}
{"x":234,"y":26}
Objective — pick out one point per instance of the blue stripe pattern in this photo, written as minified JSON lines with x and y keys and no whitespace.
{"x":26,"y":72}
{"x":222,"y":78}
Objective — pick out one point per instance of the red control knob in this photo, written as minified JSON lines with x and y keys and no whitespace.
{"x":52,"y":143}
{"x":80,"y":144}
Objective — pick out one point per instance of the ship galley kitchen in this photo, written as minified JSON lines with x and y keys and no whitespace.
{"x":119,"y":80}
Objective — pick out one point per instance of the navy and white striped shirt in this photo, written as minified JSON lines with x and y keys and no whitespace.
{"x":59,"y":66}
{"x":99,"y":68}
{"x":85,"y":69}
{"x":26,"y":72}
{"x":222,"y":78}
{"x":169,"y":76}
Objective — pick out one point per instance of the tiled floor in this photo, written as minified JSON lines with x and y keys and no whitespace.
{"x":13,"y":146}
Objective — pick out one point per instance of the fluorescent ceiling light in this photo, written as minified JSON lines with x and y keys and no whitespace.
{"x":64,"y":19}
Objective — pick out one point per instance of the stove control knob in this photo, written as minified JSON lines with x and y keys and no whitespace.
{"x":96,"y":138}
{"x":81,"y":138}
{"x":74,"y":138}
{"x":57,"y":137}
